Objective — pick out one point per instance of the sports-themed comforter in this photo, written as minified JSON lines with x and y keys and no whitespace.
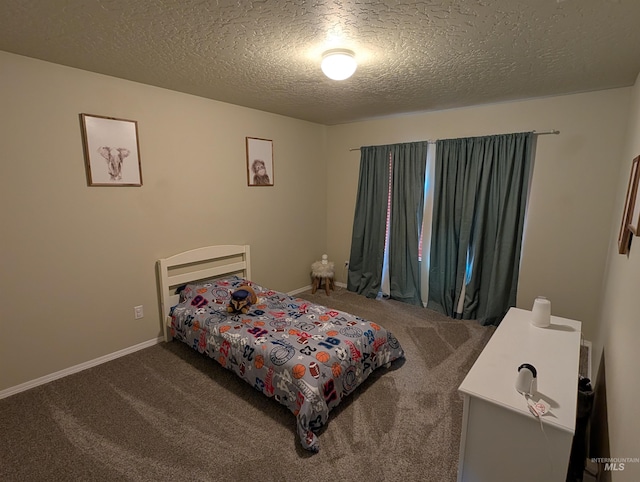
{"x":306,"y":356}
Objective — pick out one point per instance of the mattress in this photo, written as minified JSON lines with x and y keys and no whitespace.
{"x":306,"y":356}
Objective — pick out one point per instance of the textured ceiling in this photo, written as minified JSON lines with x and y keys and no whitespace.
{"x":413,"y":56}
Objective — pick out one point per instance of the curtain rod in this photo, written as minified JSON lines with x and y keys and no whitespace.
{"x":538,"y":133}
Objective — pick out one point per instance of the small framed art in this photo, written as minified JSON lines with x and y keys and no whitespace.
{"x":634,"y":209}
{"x":111,"y":151}
{"x":627,"y":226}
{"x":259,"y":162}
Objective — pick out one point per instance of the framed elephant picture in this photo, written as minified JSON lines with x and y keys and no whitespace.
{"x":111,"y":151}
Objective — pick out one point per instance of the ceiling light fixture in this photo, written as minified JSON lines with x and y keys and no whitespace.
{"x":338,"y":64}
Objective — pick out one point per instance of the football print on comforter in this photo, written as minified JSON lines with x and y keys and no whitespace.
{"x":306,"y":356}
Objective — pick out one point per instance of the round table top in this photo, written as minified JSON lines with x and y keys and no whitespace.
{"x":321,"y":270}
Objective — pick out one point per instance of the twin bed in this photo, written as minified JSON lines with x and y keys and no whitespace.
{"x":306,"y":356}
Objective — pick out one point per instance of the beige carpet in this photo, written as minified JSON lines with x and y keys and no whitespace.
{"x":168,"y":413}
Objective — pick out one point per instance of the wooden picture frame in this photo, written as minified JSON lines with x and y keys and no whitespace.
{"x":627,"y":227}
{"x":111,"y":151}
{"x":259,"y":162}
{"x":634,"y":209}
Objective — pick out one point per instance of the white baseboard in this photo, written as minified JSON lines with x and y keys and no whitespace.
{"x":77,"y":368}
{"x":103,"y":359}
{"x":299,"y":290}
{"x":308,"y":287}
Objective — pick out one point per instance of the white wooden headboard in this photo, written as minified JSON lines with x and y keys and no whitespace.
{"x":189,"y":266}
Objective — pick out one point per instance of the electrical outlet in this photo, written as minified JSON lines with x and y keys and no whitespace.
{"x":138,"y":312}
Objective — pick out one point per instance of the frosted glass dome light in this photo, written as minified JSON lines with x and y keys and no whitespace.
{"x":338,"y":64}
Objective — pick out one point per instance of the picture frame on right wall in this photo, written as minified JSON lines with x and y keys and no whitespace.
{"x":634,"y":222}
{"x":631,"y":215}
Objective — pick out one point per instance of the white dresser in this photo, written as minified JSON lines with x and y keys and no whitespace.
{"x":501,"y":440}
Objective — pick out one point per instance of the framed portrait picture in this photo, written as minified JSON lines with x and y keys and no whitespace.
{"x":627,"y":226}
{"x":259,"y":162}
{"x":111,"y":151}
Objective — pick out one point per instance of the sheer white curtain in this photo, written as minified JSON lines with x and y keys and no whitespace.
{"x":426,"y":234}
{"x":385,"y":286}
{"x":426,"y":223}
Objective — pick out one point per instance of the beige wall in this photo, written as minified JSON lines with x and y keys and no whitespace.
{"x":619,"y":328}
{"x":575,"y":181}
{"x":77,"y":259}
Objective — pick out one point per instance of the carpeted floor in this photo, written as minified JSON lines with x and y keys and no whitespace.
{"x":168,"y":413}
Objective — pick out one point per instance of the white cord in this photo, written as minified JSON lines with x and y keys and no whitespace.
{"x":539,"y":417}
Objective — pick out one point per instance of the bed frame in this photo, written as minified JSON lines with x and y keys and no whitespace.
{"x":195,"y":265}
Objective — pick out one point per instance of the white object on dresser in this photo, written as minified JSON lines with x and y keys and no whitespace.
{"x":541,"y":312}
{"x":501,"y":439}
